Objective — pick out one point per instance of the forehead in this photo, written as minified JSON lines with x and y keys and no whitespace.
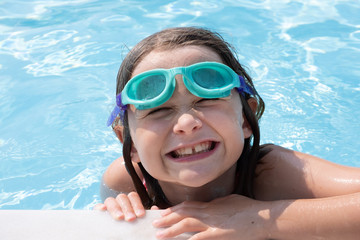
{"x":177,"y":57}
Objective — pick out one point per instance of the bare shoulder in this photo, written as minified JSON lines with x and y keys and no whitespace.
{"x":286,"y":174}
{"x":117,"y":178}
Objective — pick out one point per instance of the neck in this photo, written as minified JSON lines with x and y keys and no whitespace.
{"x":220,"y":187}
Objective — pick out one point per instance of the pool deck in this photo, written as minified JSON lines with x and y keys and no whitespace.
{"x":74,"y":224}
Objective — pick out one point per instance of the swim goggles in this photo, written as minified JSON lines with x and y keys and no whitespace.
{"x":153,"y":88}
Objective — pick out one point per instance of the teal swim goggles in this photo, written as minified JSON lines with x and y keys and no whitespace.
{"x":153,"y":88}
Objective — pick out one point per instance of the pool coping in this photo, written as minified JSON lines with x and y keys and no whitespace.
{"x":75,"y":224}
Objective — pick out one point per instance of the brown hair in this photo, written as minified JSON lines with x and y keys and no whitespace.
{"x":173,"y":38}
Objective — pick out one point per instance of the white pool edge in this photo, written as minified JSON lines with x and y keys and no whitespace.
{"x":74,"y":224}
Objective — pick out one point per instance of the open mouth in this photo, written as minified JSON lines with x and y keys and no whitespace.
{"x":193,"y":150}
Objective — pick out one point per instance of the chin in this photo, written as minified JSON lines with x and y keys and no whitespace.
{"x":195,"y":181}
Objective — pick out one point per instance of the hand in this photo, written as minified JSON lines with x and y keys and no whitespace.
{"x":124,"y":207}
{"x":231,"y":217}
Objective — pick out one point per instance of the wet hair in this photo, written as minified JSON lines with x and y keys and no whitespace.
{"x":172,"y":38}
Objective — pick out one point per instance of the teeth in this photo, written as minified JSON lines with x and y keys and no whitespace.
{"x":187,"y":151}
{"x":203,"y":147}
{"x":199,"y":148}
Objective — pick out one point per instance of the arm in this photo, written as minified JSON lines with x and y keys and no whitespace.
{"x":328,"y":193}
{"x":238,"y":217}
{"x":324,"y":218}
{"x":287,"y":174}
{"x":118,"y":179}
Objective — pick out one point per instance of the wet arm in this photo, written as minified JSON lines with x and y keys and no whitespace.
{"x":328,"y":196}
{"x":324,"y":218}
{"x":238,"y":217}
{"x":287,"y":174}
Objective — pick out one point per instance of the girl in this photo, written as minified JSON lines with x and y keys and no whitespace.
{"x":187,"y":114}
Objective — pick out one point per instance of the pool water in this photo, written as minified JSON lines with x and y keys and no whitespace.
{"x":59,"y":60}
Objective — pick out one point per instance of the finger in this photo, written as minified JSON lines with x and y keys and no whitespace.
{"x":126,"y":207}
{"x":136,"y":204}
{"x":174,"y":215}
{"x":185,"y":225}
{"x":100,"y":207}
{"x":209,"y":234}
{"x":113,"y":208}
{"x":154,"y":208}
{"x":169,"y":220}
{"x":192,"y":206}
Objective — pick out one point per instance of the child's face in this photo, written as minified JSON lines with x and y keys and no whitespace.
{"x":188,"y":140}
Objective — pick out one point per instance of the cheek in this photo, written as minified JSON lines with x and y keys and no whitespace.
{"x":144,"y":140}
{"x":227,"y":119}
{"x":231,"y":123}
{"x":147,"y":138}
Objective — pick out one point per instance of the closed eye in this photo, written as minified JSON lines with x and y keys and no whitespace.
{"x":210,"y":99}
{"x":207,"y":100}
{"x":158,"y":110}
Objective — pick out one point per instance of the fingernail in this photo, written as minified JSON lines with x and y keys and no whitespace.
{"x":100,"y":207}
{"x":118,"y":215}
{"x":156,"y":222}
{"x":130,"y":217}
{"x":160,"y":234}
{"x":139,"y":212}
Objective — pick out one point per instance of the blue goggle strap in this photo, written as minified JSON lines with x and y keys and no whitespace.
{"x":120,"y":108}
{"x":244,"y":87}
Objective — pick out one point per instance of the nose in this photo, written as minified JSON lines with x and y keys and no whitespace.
{"x":187,"y":123}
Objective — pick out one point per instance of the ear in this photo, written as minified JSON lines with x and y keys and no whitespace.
{"x":118,"y":129}
{"x":134,"y":154}
{"x":246,"y":126}
{"x":253,"y":104}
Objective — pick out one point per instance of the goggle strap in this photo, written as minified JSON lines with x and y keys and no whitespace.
{"x":119,"y":110}
{"x":244,"y":87}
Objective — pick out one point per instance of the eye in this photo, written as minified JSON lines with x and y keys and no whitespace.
{"x":159,"y":111}
{"x":205,"y":101}
{"x":153,"y":112}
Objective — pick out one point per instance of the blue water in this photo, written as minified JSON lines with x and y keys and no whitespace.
{"x":59,"y":60}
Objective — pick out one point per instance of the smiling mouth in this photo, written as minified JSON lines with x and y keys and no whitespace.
{"x":196,"y":149}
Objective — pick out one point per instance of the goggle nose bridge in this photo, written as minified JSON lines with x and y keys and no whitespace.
{"x":177,"y":71}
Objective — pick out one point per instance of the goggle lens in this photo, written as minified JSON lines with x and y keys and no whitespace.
{"x":147,"y":88}
{"x":211,"y":78}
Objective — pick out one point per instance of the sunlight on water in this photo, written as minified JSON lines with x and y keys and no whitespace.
{"x":59,"y":61}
